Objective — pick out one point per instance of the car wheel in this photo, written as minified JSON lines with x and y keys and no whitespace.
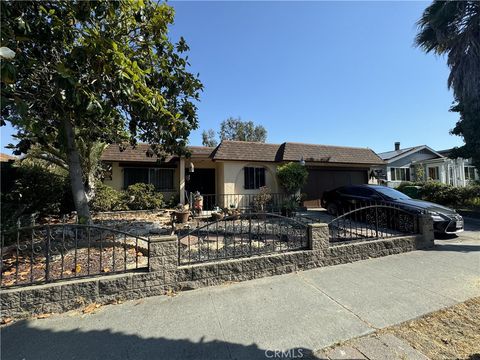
{"x":332,"y":209}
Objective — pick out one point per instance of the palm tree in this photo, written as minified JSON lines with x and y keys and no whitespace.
{"x":452,"y":28}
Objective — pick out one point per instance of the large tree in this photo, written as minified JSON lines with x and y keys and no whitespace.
{"x":208,"y":138}
{"x":101,"y":71}
{"x":235,"y":129}
{"x":452,"y":28}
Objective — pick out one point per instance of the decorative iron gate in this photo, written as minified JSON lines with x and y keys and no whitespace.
{"x":373,"y":222}
{"x":242,"y":235}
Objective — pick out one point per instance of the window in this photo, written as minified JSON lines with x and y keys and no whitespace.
{"x":254,"y":177}
{"x":469,"y":173}
{"x":162,"y":179}
{"x":134,"y":175}
{"x":400,"y":174}
{"x":364,"y":192}
{"x":433,"y":173}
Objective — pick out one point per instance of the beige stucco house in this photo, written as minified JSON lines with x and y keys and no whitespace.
{"x":240,"y":168}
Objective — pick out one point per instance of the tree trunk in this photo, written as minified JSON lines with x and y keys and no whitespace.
{"x":90,"y":186}
{"x":76,"y":175}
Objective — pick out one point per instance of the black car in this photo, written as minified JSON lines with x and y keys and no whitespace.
{"x":445,"y":220}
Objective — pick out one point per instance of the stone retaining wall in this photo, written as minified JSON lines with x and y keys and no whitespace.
{"x":165,"y":275}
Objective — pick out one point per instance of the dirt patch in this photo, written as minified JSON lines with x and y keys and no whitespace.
{"x":451,"y":333}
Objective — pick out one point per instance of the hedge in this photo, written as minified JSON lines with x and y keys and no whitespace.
{"x":444,"y":194}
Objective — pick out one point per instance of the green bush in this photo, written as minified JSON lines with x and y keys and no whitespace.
{"x":173,"y":201}
{"x":292,"y":176}
{"x":108,"y":199}
{"x":440,"y":193}
{"x":413,"y":191}
{"x":143,"y":197}
{"x":39,"y":190}
{"x":445,"y":194}
{"x":470,"y":195}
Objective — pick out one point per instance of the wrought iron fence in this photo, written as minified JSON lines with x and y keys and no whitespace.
{"x":45,"y":253}
{"x":242,"y":202}
{"x":242,"y":235}
{"x":371,"y":222}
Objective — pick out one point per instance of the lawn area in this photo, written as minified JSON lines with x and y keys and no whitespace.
{"x":451,"y":333}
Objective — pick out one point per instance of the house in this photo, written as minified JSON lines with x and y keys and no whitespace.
{"x":237,"y":167}
{"x":5,"y":158}
{"x":421,"y":163}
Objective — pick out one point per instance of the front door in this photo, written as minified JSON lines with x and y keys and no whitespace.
{"x":202,"y":180}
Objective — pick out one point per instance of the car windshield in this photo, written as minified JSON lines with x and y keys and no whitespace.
{"x":391,"y":193}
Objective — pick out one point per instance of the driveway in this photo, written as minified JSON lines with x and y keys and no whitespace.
{"x":299,"y":312}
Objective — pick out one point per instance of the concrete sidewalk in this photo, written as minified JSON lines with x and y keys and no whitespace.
{"x":300,"y":312}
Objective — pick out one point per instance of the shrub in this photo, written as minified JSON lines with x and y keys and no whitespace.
{"x":143,"y":197}
{"x":440,"y":193}
{"x":261,"y":199}
{"x":445,"y":194}
{"x":172,"y":201}
{"x":39,"y":190}
{"x":108,"y":199}
{"x":292,"y":176}
{"x":470,"y":195}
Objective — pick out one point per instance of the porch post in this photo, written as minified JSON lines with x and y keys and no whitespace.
{"x":181,"y":187}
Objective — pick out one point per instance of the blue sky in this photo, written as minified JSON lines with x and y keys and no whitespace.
{"x":339,"y":73}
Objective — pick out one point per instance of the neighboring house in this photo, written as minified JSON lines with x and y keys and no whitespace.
{"x":5,"y":158}
{"x":420,"y":163}
{"x":237,"y":167}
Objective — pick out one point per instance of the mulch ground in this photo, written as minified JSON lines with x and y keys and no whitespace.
{"x":78,"y":263}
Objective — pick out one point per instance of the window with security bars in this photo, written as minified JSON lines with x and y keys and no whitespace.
{"x":162,"y":179}
{"x":254,"y":177}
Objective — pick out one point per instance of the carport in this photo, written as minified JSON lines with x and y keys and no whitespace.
{"x":325,"y":179}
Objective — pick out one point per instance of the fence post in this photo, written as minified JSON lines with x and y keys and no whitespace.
{"x":163,"y":253}
{"x":47,"y":255}
{"x":318,"y":236}
{"x":427,"y":235}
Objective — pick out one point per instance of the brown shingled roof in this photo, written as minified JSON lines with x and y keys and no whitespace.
{"x":139,"y":153}
{"x":330,"y":154}
{"x":5,"y":157}
{"x":256,"y":151}
{"x":247,"y":151}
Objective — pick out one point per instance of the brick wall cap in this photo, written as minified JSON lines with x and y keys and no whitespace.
{"x":318,"y":225}
{"x":163,"y":238}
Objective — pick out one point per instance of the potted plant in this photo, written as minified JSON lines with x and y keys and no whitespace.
{"x":290,"y":205}
{"x":232,"y":212}
{"x":197,"y":202}
{"x":261,"y":200}
{"x":182,"y":212}
{"x":217,"y":215}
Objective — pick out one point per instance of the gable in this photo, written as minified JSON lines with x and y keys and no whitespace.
{"x":417,"y":156}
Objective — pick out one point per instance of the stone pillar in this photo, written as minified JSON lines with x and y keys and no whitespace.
{"x":318,"y":236}
{"x":163,"y":254}
{"x":181,"y":185}
{"x":427,"y":236}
